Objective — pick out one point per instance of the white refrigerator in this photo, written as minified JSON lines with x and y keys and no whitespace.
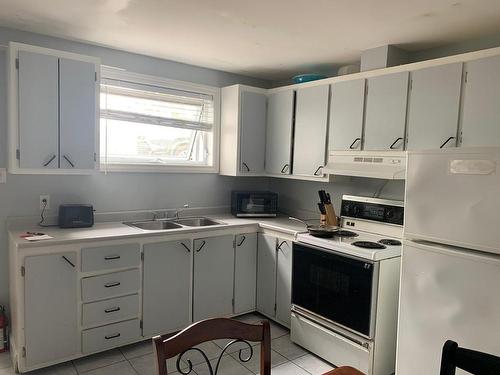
{"x":450,"y":272}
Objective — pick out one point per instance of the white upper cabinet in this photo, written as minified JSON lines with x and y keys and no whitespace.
{"x":53,"y":111}
{"x":385,"y":116}
{"x":77,"y":83}
{"x":434,"y":107}
{"x":38,"y":111}
{"x":243,"y":130}
{"x":346,"y":115}
{"x":311,"y":122}
{"x":481,"y":106}
{"x":279,"y":132}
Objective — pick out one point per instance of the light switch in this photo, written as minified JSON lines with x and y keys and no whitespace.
{"x":3,"y":175}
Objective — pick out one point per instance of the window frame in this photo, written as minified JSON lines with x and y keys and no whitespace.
{"x":138,"y":78}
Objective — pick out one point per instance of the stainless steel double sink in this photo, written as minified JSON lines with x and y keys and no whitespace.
{"x":167,"y":224}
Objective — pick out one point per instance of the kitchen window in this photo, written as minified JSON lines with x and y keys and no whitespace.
{"x":158,"y":125}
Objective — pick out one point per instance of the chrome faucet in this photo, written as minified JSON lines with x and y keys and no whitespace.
{"x":159,"y":214}
{"x":179,"y":210}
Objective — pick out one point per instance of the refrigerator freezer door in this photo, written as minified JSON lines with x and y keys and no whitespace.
{"x":453,"y":197}
{"x":445,"y":294}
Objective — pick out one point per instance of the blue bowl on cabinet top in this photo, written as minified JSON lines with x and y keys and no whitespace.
{"x":301,"y":78}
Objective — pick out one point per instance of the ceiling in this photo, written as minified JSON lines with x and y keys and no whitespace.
{"x":270,"y":39}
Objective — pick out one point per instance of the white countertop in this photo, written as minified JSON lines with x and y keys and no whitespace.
{"x":118,"y":230}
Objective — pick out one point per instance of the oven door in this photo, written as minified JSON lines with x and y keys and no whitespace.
{"x":335,"y":286}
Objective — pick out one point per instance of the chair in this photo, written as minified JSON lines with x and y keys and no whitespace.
{"x":214,"y":329}
{"x":344,"y":370}
{"x":469,"y":360}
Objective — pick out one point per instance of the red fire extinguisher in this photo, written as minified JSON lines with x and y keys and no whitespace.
{"x":4,"y":332}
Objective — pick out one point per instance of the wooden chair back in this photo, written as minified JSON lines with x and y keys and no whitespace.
{"x":214,"y":329}
{"x":472,"y":361}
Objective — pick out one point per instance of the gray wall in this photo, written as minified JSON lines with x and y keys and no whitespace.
{"x":301,"y":197}
{"x":115,"y":191}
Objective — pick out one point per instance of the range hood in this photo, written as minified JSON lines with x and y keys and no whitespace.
{"x":390,"y":165}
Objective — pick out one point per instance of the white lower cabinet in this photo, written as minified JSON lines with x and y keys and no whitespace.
{"x":86,"y":298}
{"x":166,"y":289}
{"x":274,"y":278}
{"x":284,"y":282}
{"x":50,"y":307}
{"x":245,"y":272}
{"x":266,"y":274}
{"x":213,"y":277}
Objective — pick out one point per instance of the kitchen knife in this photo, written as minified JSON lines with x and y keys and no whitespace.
{"x":321,"y":207}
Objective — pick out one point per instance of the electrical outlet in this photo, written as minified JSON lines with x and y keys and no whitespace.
{"x":45,"y":202}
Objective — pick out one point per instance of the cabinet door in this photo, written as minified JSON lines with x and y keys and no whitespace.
{"x":434,"y":104}
{"x":346,"y":115}
{"x":166,"y":293}
{"x":213,"y":277}
{"x":266,"y":274}
{"x":38,"y":111}
{"x":50,"y":308}
{"x":77,"y":114}
{"x":385,"y":116}
{"x":245,"y":272}
{"x":311,"y":122}
{"x":481,"y":108}
{"x":253,"y":132}
{"x":284,"y":282}
{"x":279,"y":132}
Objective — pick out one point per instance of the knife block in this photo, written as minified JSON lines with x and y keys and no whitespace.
{"x":331,"y":217}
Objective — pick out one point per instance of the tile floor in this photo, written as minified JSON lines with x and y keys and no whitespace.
{"x":137,"y":359}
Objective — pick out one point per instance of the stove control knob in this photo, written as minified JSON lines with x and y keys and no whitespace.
{"x":389,"y":213}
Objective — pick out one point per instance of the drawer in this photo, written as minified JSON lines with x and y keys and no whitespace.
{"x":111,"y":257}
{"x":110,"y":310}
{"x":110,"y":285}
{"x":333,"y":347}
{"x":110,"y":336}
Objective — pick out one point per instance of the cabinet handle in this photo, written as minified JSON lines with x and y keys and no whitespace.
{"x":243,"y":238}
{"x":246,"y":166}
{"x":281,"y":244}
{"x":112,"y":336}
{"x":201,"y":247}
{"x":70,"y":262}
{"x":113,"y":309}
{"x":185,"y":246}
{"x":69,"y":161}
{"x":49,"y":161}
{"x":354,"y":142}
{"x":112,"y":257}
{"x":284,"y":169}
{"x":445,"y":142}
{"x":111,"y":285}
{"x":317,"y":170}
{"x":394,"y":143}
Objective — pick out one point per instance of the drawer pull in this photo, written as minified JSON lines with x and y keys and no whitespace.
{"x":112,"y":257}
{"x":111,"y":285}
{"x":112,"y":336}
{"x":113,"y":309}
{"x":68,"y":261}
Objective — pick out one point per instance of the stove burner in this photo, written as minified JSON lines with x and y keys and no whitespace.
{"x":345,"y":233}
{"x":390,"y":242}
{"x":368,"y":245}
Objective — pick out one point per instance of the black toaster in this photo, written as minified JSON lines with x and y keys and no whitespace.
{"x":76,"y":215}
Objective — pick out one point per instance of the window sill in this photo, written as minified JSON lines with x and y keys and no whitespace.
{"x":132,"y":168}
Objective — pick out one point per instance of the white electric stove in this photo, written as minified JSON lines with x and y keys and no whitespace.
{"x":345,"y":288}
